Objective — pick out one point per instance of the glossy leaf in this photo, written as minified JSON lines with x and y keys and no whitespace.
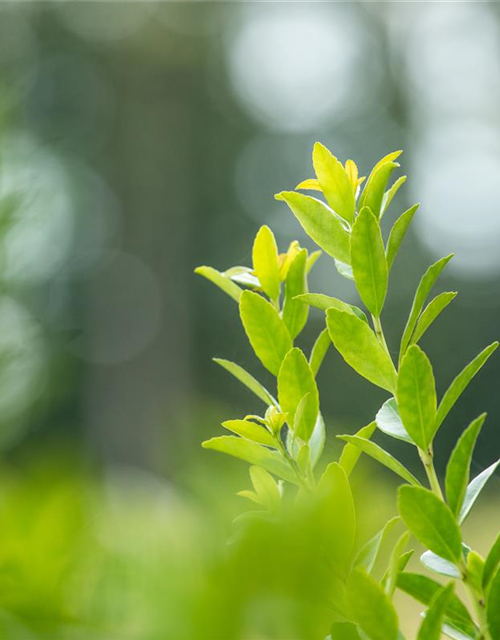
{"x":248,"y":380}
{"x":398,"y":233}
{"x":244,"y":276}
{"x":368,"y":554}
{"x":296,"y":380}
{"x":220,"y":280}
{"x":320,"y":224}
{"x":416,"y":396}
{"x":493,"y":607}
{"x":377,"y":453}
{"x":474,"y":489}
{"x":351,"y":453}
{"x":344,"y":269}
{"x":460,"y":383}
{"x":373,"y":193}
{"x":265,"y":262}
{"x":458,"y":469}
{"x":390,"y":193}
{"x":319,"y":351}
{"x":252,"y":453}
{"x":371,"y":607}
{"x":368,"y":261}
{"x":431,"y":312}
{"x":439,"y":565}
{"x":265,"y":329}
{"x":426,"y":283}
{"x":295,"y":312}
{"x":317,"y":440}
{"x":431,"y":521}
{"x":323,"y":302}
{"x":492,"y":564}
{"x":251,"y":431}
{"x":360,"y":348}
{"x":334,"y":182}
{"x":389,"y":421}
{"x":311,"y":184}
{"x":266,"y":488}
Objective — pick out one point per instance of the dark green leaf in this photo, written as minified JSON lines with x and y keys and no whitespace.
{"x":398,"y":233}
{"x":220,"y":280}
{"x":431,"y":627}
{"x":371,"y":607}
{"x":250,"y":431}
{"x":360,"y":348}
{"x":431,"y":312}
{"x":351,"y":453}
{"x":493,"y":607}
{"x":295,"y":312}
{"x":389,"y":421}
{"x":319,"y":351}
{"x":474,"y":489}
{"x":334,"y":182}
{"x":323,"y":302}
{"x":492,"y":563}
{"x":248,"y":380}
{"x":265,"y":262}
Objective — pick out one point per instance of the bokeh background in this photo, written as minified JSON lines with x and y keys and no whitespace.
{"x":139,"y":140}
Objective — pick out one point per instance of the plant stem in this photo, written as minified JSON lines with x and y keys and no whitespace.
{"x":379,"y":332}
{"x":428,"y":462}
{"x":479,"y":610}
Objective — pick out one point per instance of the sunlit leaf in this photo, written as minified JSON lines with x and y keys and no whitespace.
{"x":398,"y":233}
{"x":244,"y":276}
{"x":323,"y":302}
{"x":371,"y":607}
{"x":317,"y":440}
{"x":295,"y":312}
{"x":344,"y":631}
{"x":439,"y":565}
{"x":395,"y":563}
{"x":311,"y":260}
{"x":474,"y":489}
{"x":389,"y":421}
{"x":334,"y":182}
{"x":266,"y":488}
{"x":248,"y":380}
{"x":296,"y":380}
{"x":319,"y":351}
{"x":265,"y":262}
{"x":351,"y":169}
{"x":373,"y":193}
{"x":493,"y":607}
{"x":432,"y":625}
{"x":492,"y":564}
{"x":251,"y":431}
{"x":351,"y":453}
{"x":220,"y":280}
{"x":431,"y":312}
{"x":311,"y":184}
{"x":368,"y":554}
{"x":344,"y":269}
{"x":390,"y":193}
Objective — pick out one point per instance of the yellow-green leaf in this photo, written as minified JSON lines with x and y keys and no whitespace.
{"x":296,"y":380}
{"x":220,"y":280}
{"x":265,"y":262}
{"x":398,"y":233}
{"x":334,"y":182}
{"x":371,"y":607}
{"x":294,"y":312}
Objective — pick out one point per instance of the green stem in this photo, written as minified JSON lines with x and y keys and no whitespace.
{"x":479,"y":610}
{"x":428,"y":462}
{"x":379,"y":332}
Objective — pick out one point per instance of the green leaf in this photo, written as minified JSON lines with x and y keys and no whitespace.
{"x":266,"y":488}
{"x":376,"y":452}
{"x":220,"y":280}
{"x":302,"y":425}
{"x":265,"y":262}
{"x":244,"y":276}
{"x":253,"y":453}
{"x":453,"y":632}
{"x":390,"y":193}
{"x":323,"y":302}
{"x":334,"y":182}
{"x":432,"y":625}
{"x":344,"y":631}
{"x":398,"y":233}
{"x":371,"y":607}
{"x":389,"y":421}
{"x":493,"y":607}
{"x":369,"y":553}
{"x":460,"y":383}
{"x":295,"y":312}
{"x":359,"y":347}
{"x":474,"y":489}
{"x":319,"y":351}
{"x":492,"y":563}
{"x":320,"y":224}
{"x":251,"y":431}
{"x":398,"y":558}
{"x":344,"y":269}
{"x":431,"y":521}
{"x":431,"y":312}
{"x":373,"y":193}
{"x":458,"y":469}
{"x":416,"y":396}
{"x":296,"y":380}
{"x":368,"y":260}
{"x":426,"y":283}
{"x":248,"y":380}
{"x":351,"y":453}
{"x":439,"y":565}
{"x":311,"y":184}
{"x":311,"y":260}
{"x":265,"y":329}
{"x":317,"y":440}
{"x":423,"y":589}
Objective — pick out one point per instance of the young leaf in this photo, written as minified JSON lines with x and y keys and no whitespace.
{"x":220,"y":280}
{"x":416,"y":394}
{"x":311,"y":184}
{"x":492,"y":563}
{"x":344,"y":269}
{"x":248,"y":380}
{"x":252,"y":453}
{"x":389,"y":421}
{"x":368,"y":554}
{"x":460,"y":383}
{"x":351,"y":453}
{"x":493,"y":607}
{"x":320,"y":224}
{"x":266,"y":488}
{"x":426,"y":283}
{"x":319,"y":351}
{"x":251,"y":431}
{"x":265,"y":329}
{"x":360,"y":348}
{"x":323,"y":302}
{"x":295,"y":312}
{"x":474,"y":489}
{"x":395,"y":563}
{"x":371,"y":607}
{"x":373,"y":193}
{"x":334,"y":182}
{"x":431,"y":627}
{"x":398,"y":233}
{"x":368,"y":261}
{"x":296,"y":380}
{"x":311,"y":260}
{"x":317,"y":440}
{"x":439,"y":565}
{"x":376,"y":452}
{"x":431,"y":312}
{"x":390,"y":193}
{"x":265,"y":262}
{"x":244,"y":276}
{"x":303,"y":426}
{"x":457,"y":471}
{"x":431,"y":522}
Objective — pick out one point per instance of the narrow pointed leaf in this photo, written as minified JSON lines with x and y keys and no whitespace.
{"x":474,"y":489}
{"x":248,"y":380}
{"x":351,"y":453}
{"x":243,"y":276}
{"x":323,"y":302}
{"x":295,"y":312}
{"x":251,"y":431}
{"x":416,"y":396}
{"x":317,"y":440}
{"x":266,"y":488}
{"x":371,"y":607}
{"x":373,"y":193}
{"x":311,"y":184}
{"x":439,"y":565}
{"x":302,"y":424}
{"x":311,"y":260}
{"x":432,"y":625}
{"x":296,"y":380}
{"x":458,"y":469}
{"x":265,"y":262}
{"x":265,"y":329}
{"x":368,"y":554}
{"x":455,"y":633}
{"x":389,"y":421}
{"x":334,"y":182}
{"x":377,"y":453}
{"x":253,"y":453}
{"x":368,"y":261}
{"x":431,"y":312}
{"x":459,"y":384}
{"x":493,"y":607}
{"x":396,"y":562}
{"x":398,"y":233}
{"x":390,"y":193}
{"x":431,"y":522}
{"x":320,"y":224}
{"x":360,"y":348}
{"x":424,"y":288}
{"x":319,"y":351}
{"x":220,"y":280}
{"x":492,"y":563}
